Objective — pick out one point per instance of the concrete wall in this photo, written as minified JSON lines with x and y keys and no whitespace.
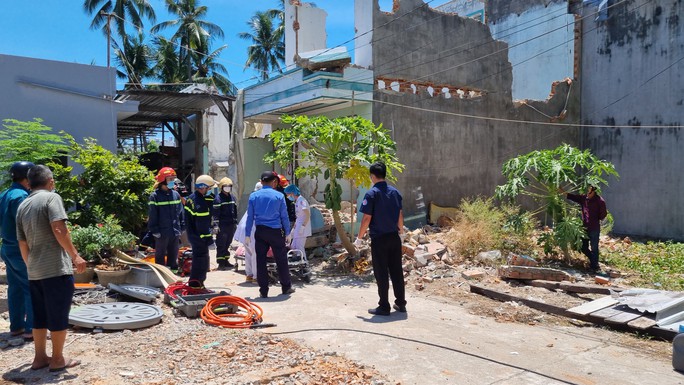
{"x":449,"y":151}
{"x":633,"y":74}
{"x":311,"y":35}
{"x":72,"y":97}
{"x":540,"y":37}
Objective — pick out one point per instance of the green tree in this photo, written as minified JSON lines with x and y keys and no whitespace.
{"x":209,"y":70}
{"x":132,"y":11}
{"x":337,"y":148}
{"x":109,"y":184}
{"x":267,"y":52}
{"x":134,"y":60}
{"x":542,"y":174}
{"x":169,"y":68}
{"x":190,"y":28}
{"x":30,"y":141}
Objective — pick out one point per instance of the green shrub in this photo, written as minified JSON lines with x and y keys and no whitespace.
{"x":91,"y":240}
{"x":109,"y":184}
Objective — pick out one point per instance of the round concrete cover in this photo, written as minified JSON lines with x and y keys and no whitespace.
{"x":116,"y":315}
{"x":143,"y":293}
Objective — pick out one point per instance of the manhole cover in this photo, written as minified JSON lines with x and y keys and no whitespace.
{"x":143,"y":293}
{"x":116,"y":315}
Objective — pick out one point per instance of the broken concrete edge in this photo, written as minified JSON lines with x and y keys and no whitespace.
{"x":573,"y":287}
{"x":654,"y":331}
{"x":533,"y":273}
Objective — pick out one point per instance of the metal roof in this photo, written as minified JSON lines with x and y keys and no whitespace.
{"x":158,"y":107}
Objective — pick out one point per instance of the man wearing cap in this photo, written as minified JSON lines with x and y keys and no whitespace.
{"x":383,"y":218}
{"x":225,"y":214}
{"x":198,"y":224}
{"x":18,"y":291}
{"x":166,"y":219}
{"x":291,"y":209}
{"x":267,"y":209}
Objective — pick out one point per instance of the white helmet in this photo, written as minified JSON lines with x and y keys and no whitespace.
{"x":205,"y":180}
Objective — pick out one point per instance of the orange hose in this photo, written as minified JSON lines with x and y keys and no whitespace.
{"x":251,"y":316}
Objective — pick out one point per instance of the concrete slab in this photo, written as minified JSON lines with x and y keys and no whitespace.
{"x":438,"y":342}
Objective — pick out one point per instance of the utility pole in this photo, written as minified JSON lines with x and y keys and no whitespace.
{"x":109,"y":34}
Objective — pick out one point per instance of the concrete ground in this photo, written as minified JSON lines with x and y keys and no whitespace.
{"x":439,"y":342}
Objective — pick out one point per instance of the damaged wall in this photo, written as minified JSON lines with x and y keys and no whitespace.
{"x":541,"y":38}
{"x":633,"y":75}
{"x":451,"y":64}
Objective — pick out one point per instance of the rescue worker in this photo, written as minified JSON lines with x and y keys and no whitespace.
{"x":225,"y":215}
{"x":302,"y":227}
{"x":166,"y":218}
{"x":291,"y":210}
{"x":18,"y":291}
{"x":198,"y":225}
{"x":268,"y":211}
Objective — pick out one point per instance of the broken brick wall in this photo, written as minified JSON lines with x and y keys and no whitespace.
{"x":435,"y":74}
{"x":633,"y":74}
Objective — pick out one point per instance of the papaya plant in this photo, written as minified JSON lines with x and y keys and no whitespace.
{"x":30,"y":141}
{"x":544,"y":175}
{"x":339,"y":149}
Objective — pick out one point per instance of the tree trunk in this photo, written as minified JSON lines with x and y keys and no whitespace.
{"x":343,"y":234}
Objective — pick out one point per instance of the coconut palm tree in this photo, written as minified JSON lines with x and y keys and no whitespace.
{"x":190,"y":27}
{"x":125,"y":10}
{"x":134,"y":60}
{"x":267,"y":52}
{"x":209,"y":71}
{"x":169,"y":68}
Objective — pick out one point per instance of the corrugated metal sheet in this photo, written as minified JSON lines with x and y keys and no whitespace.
{"x":158,"y":107}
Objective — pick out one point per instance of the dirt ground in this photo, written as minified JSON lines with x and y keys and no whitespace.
{"x":185,"y":351}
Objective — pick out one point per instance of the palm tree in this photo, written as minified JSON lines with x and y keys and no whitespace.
{"x":190,"y":27}
{"x":132,"y":10}
{"x":267,"y":53}
{"x":211,"y":72}
{"x":169,"y":68}
{"x":134,"y":60}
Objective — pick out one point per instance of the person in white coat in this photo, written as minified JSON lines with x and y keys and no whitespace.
{"x":250,"y":252}
{"x":302,"y":227}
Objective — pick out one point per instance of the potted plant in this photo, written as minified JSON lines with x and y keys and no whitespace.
{"x":99,"y":244}
{"x":87,"y":241}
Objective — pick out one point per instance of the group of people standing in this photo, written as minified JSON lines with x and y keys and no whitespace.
{"x":201,"y":214}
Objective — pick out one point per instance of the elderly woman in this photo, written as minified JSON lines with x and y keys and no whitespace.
{"x":302,"y":227}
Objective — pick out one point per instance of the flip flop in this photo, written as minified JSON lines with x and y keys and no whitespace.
{"x":17,"y":333}
{"x":70,"y":363}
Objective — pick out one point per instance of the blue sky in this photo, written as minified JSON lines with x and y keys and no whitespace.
{"x":60,"y":30}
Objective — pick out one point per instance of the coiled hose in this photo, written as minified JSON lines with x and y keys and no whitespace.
{"x":251,"y":316}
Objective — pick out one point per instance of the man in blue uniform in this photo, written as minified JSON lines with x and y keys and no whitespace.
{"x":225,"y":214}
{"x":384,"y":219}
{"x":198,"y":223}
{"x":166,"y":219}
{"x":267,"y":209}
{"x":18,"y":291}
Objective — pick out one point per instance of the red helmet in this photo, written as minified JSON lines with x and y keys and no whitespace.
{"x":164,"y":173}
{"x":283,"y":181}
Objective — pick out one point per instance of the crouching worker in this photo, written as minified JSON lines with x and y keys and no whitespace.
{"x":225,"y":214}
{"x":198,"y":224}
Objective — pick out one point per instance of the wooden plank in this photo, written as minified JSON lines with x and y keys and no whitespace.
{"x":606,"y":312}
{"x":624,"y":316}
{"x":593,"y":306}
{"x":642,"y":323}
{"x":573,"y":287}
{"x":653,"y":330}
{"x":545,"y":307}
